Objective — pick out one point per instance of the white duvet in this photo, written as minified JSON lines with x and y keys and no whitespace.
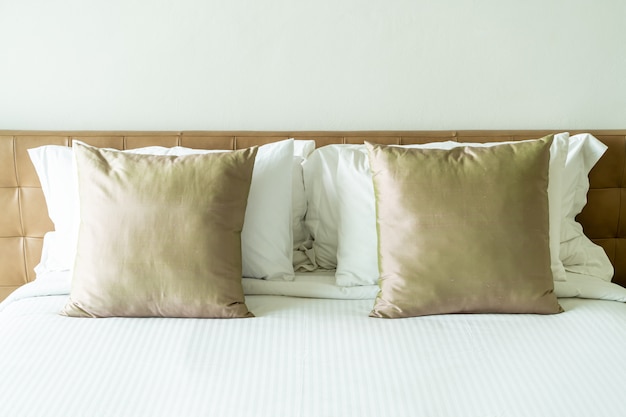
{"x":304,"y":356}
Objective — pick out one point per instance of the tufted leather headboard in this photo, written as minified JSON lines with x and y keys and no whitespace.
{"x":24,"y":218}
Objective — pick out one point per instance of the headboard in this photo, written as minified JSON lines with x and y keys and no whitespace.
{"x":24,"y":218}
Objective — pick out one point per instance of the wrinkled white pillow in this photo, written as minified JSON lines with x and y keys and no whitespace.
{"x":300,"y":235}
{"x":302,"y":150}
{"x":267,"y":238}
{"x":322,"y":218}
{"x":357,"y":259}
{"x":579,"y":254}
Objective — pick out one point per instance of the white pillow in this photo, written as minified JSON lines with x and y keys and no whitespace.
{"x":299,"y":205}
{"x":303,"y":257}
{"x":322,"y":218}
{"x":266,"y":237}
{"x":55,"y":168}
{"x":302,"y":150}
{"x":578,"y":253}
{"x":357,"y":253}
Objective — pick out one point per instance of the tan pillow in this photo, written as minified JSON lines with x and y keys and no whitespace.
{"x":160,"y":235}
{"x":464,"y":230}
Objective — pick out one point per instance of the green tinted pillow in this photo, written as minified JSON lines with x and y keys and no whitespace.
{"x":160,"y":235}
{"x":464,"y":230}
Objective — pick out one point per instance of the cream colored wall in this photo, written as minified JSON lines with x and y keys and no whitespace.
{"x":318,"y":64}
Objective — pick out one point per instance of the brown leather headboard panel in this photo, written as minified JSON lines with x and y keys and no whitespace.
{"x":24,"y":218}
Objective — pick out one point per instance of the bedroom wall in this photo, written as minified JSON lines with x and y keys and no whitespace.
{"x":323,"y":64}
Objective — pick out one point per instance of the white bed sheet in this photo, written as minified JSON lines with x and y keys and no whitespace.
{"x":311,"y":357}
{"x":321,"y":284}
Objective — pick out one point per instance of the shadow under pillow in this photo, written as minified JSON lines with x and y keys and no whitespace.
{"x":160,"y":235}
{"x":464,"y":230}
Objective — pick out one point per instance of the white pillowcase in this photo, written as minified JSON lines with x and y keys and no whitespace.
{"x":267,"y":238}
{"x":302,"y":150}
{"x":322,"y":218}
{"x":579,"y":254}
{"x":357,"y":252}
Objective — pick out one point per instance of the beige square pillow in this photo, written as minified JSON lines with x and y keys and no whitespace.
{"x":464,"y":230}
{"x":160,"y":235}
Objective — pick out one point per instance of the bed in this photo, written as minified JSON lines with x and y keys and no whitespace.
{"x":317,"y":345}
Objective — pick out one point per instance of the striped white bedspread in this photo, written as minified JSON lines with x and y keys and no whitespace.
{"x":312,"y":357}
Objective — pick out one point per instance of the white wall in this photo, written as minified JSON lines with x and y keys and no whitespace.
{"x":318,"y":64}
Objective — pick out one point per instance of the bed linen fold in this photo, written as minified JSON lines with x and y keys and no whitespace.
{"x":321,"y":284}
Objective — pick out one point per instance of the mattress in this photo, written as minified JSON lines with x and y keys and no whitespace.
{"x":313,"y":351}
